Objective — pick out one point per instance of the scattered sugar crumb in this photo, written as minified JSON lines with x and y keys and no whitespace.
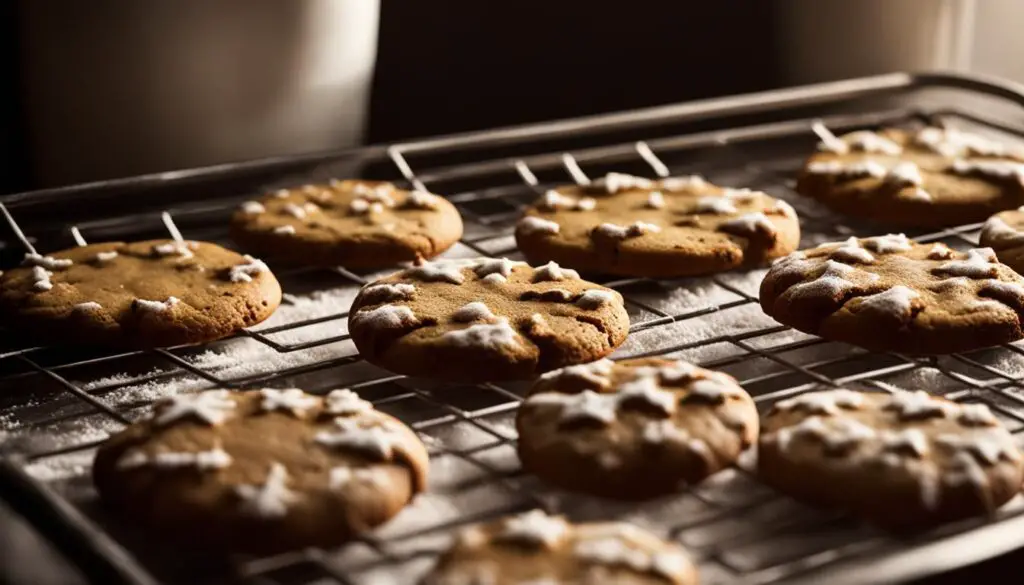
{"x":61,"y":467}
{"x":738,"y":319}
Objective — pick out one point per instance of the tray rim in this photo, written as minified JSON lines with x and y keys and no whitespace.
{"x":813,"y":94}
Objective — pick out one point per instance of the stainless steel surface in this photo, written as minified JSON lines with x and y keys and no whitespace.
{"x":58,"y":404}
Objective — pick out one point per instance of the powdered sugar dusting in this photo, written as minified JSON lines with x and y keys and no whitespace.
{"x":997,"y":169}
{"x":685,"y":183}
{"x":719,"y":205}
{"x":475,"y":311}
{"x":851,"y":170}
{"x":594,"y":299}
{"x":749,"y":224}
{"x":490,"y":336}
{"x":862,"y":141}
{"x":47,"y":262}
{"x":387,"y":292}
{"x":385,"y":317}
{"x":980,"y":263}
{"x":619,"y":232}
{"x":552,"y":271}
{"x":536,"y":225}
{"x":896,"y":302}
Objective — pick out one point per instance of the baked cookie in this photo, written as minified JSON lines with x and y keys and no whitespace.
{"x":356,"y":224}
{"x":889,"y":293}
{"x":631,"y":226}
{"x":929,"y":178}
{"x":261,"y":471}
{"x":485,"y":319}
{"x":537,"y":548}
{"x":633,"y":429}
{"x":1004,"y":233}
{"x":903,"y":460}
{"x":143,"y":294}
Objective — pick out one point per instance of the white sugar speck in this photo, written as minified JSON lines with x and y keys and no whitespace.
{"x":536,"y":225}
{"x":253,"y":207}
{"x":155,"y":306}
{"x":490,"y":336}
{"x":474,"y":311}
{"x":594,"y":299}
{"x":269,"y":500}
{"x":553,"y":272}
{"x":292,"y":400}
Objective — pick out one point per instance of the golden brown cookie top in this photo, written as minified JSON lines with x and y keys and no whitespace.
{"x":156,"y":291}
{"x":930,"y":439}
{"x":911,"y":295}
{"x":362,"y":219}
{"x":527,"y":318}
{"x":627,"y":211}
{"x":926,"y":166}
{"x":342,"y":207}
{"x":535,"y":547}
{"x":637,"y":395}
{"x":633,"y":429}
{"x":895,"y":280}
{"x":267,"y":454}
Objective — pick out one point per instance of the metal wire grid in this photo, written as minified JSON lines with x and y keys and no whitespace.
{"x":738,"y":529}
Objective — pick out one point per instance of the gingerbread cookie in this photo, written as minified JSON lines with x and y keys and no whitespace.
{"x":929,"y":178}
{"x":889,"y":293}
{"x":1004,"y":233}
{"x":537,"y":548}
{"x":356,"y":224}
{"x":682,"y":226}
{"x":903,"y":460}
{"x":633,"y":429}
{"x":485,"y":319}
{"x":261,"y":471}
{"x":143,"y":294}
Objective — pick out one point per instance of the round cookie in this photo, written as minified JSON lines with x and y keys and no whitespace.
{"x":631,"y":226}
{"x":537,"y":548}
{"x":355,"y":224}
{"x":929,"y":178}
{"x":485,"y":319}
{"x":889,"y":293}
{"x":261,"y":471}
{"x":633,"y":429}
{"x":142,"y":294}
{"x":903,"y":461}
{"x":1004,"y":233}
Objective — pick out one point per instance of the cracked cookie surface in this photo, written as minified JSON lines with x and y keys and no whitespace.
{"x":902,"y":460}
{"x":262,"y":470}
{"x":536,"y":548}
{"x":485,"y":319}
{"x":355,"y":224}
{"x":674,"y":227}
{"x":143,"y":294}
{"x":888,"y":293}
{"x":928,"y":178}
{"x":633,"y":429}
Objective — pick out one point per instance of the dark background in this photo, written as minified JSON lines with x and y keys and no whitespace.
{"x":499,"y":63}
{"x":453,"y":65}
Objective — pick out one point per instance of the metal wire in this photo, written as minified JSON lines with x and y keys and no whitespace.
{"x":738,"y":530}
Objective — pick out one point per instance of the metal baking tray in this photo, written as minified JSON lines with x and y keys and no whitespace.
{"x":57,"y":404}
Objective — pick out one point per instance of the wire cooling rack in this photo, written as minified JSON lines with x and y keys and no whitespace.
{"x":58,"y":404}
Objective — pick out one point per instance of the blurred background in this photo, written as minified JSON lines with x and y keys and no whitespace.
{"x":111,"y":88}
